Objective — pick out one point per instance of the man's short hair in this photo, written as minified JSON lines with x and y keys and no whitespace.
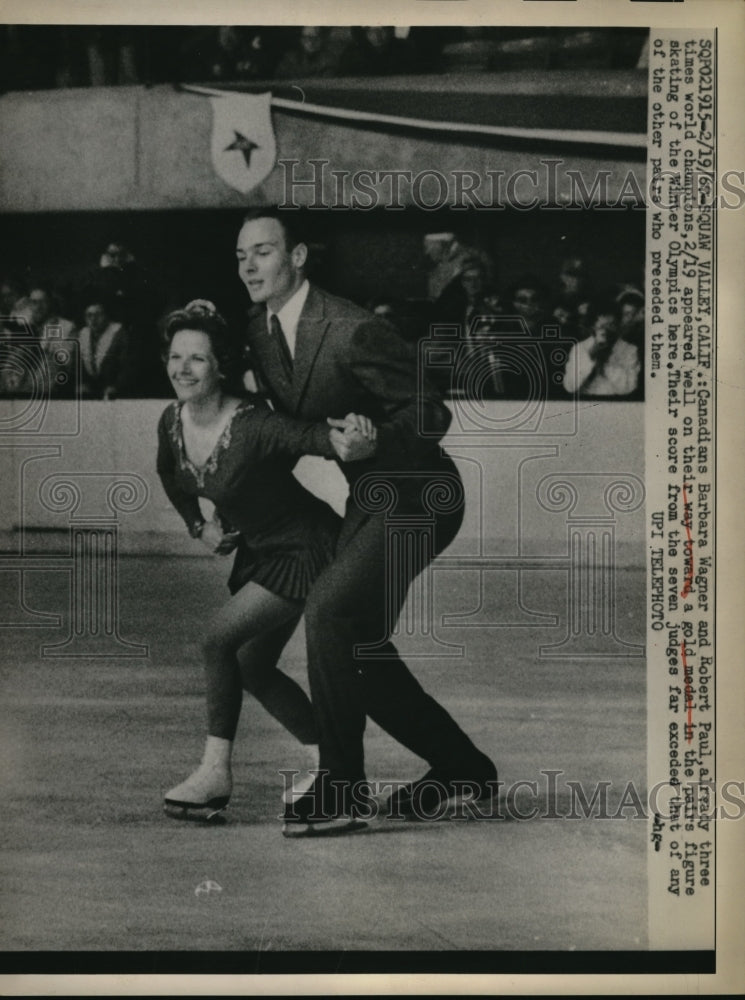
{"x":289,"y":219}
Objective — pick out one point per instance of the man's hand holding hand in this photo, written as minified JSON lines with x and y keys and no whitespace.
{"x":354,"y":438}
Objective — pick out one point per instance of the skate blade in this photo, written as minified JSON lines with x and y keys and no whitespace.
{"x":329,"y":828}
{"x":212,"y":812}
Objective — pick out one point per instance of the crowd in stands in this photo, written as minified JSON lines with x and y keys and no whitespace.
{"x":541,"y":337}
{"x":537,"y":339}
{"x":42,"y":57}
{"x":101,"y":343}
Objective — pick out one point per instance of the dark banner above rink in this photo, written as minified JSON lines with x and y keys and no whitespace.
{"x":471,"y":141}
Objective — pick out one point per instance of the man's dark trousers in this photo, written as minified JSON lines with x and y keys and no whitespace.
{"x":348,"y":361}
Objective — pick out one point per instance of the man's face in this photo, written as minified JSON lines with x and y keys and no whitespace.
{"x":95,"y":318}
{"x":40,"y":306}
{"x":570,"y":283}
{"x":527,"y":303}
{"x":472,"y":282}
{"x":270,"y":271}
{"x":631,"y":315}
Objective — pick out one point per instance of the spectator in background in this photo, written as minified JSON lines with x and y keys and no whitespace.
{"x":14,"y":312}
{"x":13,"y":296}
{"x":313,"y":55}
{"x":103,"y":350}
{"x":472,"y":305}
{"x":469,"y":295}
{"x":134,"y":302}
{"x":445,"y":257}
{"x":123,"y":283}
{"x":44,"y":316}
{"x":48,"y":366}
{"x":227,"y":52}
{"x":605,"y":363}
{"x":375,"y":51}
{"x":573,"y":295}
{"x":535,"y":372}
{"x":528,"y":299}
{"x":116,"y":255}
{"x":630,"y":303}
{"x":45,"y":56}
{"x":242,"y":54}
{"x":112,"y":55}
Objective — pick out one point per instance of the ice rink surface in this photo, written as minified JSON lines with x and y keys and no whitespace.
{"x":89,"y":746}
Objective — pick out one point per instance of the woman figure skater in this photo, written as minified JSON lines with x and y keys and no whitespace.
{"x":238,"y":453}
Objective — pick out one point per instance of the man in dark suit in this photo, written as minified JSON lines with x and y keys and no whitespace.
{"x":319,"y":355}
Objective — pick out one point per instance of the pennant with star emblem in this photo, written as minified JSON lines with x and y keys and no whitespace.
{"x":243,"y":144}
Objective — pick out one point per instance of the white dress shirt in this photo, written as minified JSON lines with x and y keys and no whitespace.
{"x":619,"y":376}
{"x":289,"y":315}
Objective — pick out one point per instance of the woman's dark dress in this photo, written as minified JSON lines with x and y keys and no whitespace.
{"x":287,"y":534}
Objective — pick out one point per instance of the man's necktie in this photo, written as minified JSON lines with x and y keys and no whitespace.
{"x":278,"y":334}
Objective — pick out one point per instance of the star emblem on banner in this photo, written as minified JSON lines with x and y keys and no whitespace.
{"x":245,"y":145}
{"x":242,"y":124}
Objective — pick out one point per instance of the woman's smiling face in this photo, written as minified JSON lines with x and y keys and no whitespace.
{"x":192,"y":366}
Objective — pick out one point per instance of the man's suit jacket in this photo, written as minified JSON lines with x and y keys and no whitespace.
{"x":347,"y":360}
